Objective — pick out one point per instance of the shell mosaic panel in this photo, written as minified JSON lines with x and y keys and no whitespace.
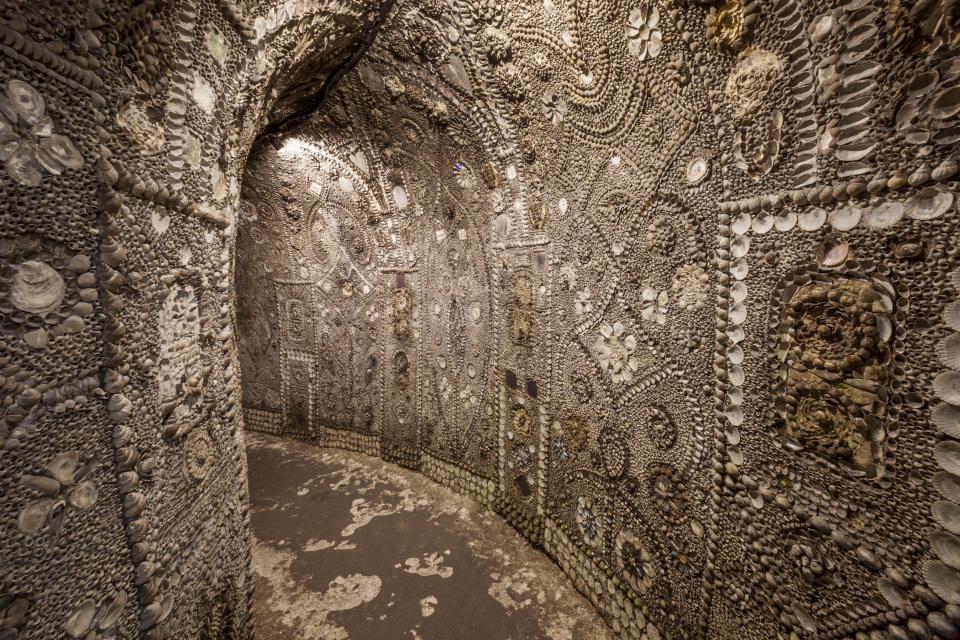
{"x":669,"y":284}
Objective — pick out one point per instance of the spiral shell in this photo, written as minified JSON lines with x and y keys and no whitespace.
{"x":37,"y":288}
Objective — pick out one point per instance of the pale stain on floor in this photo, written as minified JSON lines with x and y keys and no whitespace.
{"x":348,"y":547}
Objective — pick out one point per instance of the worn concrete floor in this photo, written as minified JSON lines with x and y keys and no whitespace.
{"x":349,"y":547}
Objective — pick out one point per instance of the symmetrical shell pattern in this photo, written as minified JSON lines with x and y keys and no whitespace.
{"x":671,"y":285}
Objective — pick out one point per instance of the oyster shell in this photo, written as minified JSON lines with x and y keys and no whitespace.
{"x":37,"y":288}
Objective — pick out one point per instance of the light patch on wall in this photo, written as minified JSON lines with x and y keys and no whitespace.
{"x":203,"y":94}
{"x":400,"y":197}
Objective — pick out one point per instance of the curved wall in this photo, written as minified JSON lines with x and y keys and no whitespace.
{"x":714,"y":247}
{"x":123,"y":127}
{"x":711,"y":245}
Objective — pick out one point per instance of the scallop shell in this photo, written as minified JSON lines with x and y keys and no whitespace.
{"x":951,"y":315}
{"x":23,"y":166}
{"x":929,"y":204}
{"x":884,"y":215}
{"x":740,"y":245}
{"x":891,"y":593}
{"x":944,"y":581}
{"x":738,"y":292}
{"x":947,"y":455}
{"x":834,"y":253}
{"x":740,"y":268}
{"x":741,"y":224}
{"x":947,"y":514}
{"x":947,"y":547}
{"x":738,"y":313}
{"x":947,"y":418}
{"x":947,"y":387}
{"x":736,"y":375}
{"x":37,"y":288}
{"x":845,"y":218}
{"x":762,"y":223}
{"x":947,"y":485}
{"x":812,"y":219}
{"x":786,"y":221}
{"x":949,"y":351}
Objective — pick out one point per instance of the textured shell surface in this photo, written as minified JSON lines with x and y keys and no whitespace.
{"x":37,"y":287}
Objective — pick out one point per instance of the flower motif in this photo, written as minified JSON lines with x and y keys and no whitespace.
{"x":554,"y":107}
{"x":521,"y":422}
{"x":726,"y":24}
{"x":28,"y":144}
{"x":635,"y":562}
{"x":583,"y":304}
{"x":653,"y":306}
{"x":690,"y":286}
{"x":661,"y":236}
{"x":64,"y":484}
{"x":614,"y":351}
{"x":644,"y":40}
{"x":588,"y":521}
{"x":559,"y":449}
{"x":756,"y":147}
{"x":751,"y":81}
{"x":662,"y":429}
{"x":668,"y":492}
{"x":685,"y":558}
{"x":446,"y":388}
{"x":581,"y":387}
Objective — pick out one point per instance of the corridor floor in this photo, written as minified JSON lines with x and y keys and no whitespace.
{"x":347,"y":546}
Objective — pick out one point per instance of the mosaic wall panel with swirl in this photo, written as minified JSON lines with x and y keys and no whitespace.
{"x":679,"y":273}
{"x":670,"y":284}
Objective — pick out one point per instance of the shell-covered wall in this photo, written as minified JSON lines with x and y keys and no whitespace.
{"x":670,"y":284}
{"x":124,"y":127}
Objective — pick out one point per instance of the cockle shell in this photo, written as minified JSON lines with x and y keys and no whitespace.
{"x":944,"y":581}
{"x":37,"y":288}
{"x":947,"y":418}
{"x":947,"y":547}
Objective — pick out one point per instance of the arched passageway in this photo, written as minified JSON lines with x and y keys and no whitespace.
{"x":669,"y":285}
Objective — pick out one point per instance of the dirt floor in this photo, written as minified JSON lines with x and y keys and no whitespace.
{"x":347,"y":546}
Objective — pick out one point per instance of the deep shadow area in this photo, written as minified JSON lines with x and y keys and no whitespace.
{"x":348,"y":546}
